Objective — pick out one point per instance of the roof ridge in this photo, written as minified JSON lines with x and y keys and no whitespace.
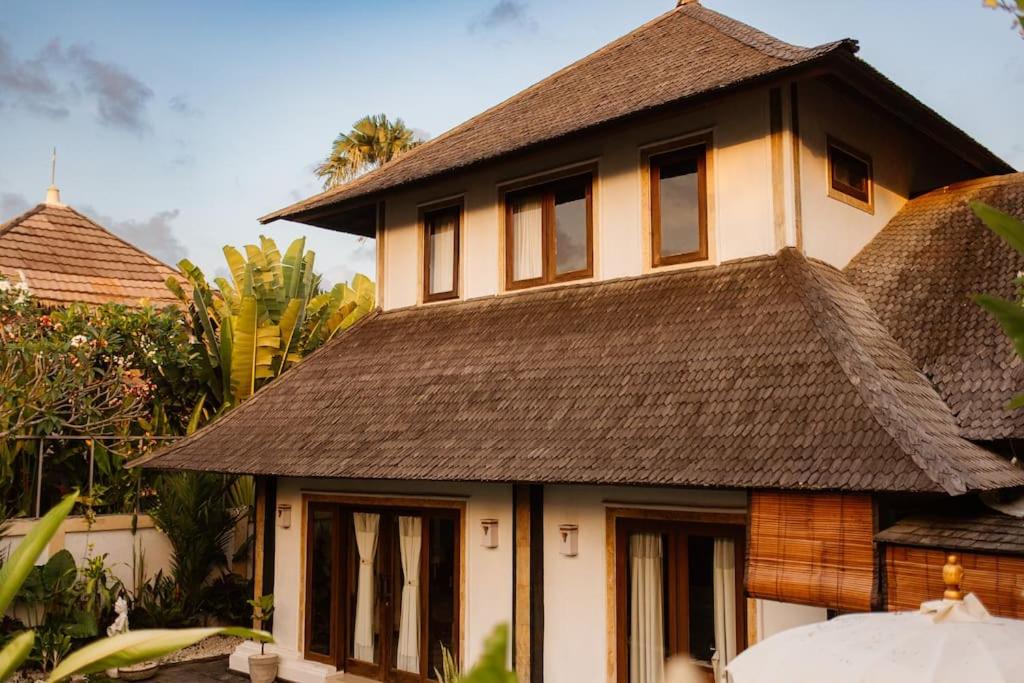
{"x":954,"y":480}
{"x":17,"y":220}
{"x":355,"y":182}
{"x":758,"y":39}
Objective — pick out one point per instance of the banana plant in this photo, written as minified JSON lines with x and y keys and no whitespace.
{"x":252,"y":326}
{"x":1009,"y":313}
{"x":121,"y":650}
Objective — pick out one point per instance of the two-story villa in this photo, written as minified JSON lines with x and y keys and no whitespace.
{"x":674,"y":351}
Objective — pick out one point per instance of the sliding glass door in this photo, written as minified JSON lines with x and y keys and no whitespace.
{"x":382,"y":589}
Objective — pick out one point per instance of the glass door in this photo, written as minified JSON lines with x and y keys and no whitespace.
{"x":395,"y":573}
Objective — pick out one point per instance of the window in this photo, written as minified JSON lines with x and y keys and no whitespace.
{"x":678,"y":183}
{"x":549,"y":232}
{"x":382,"y":589}
{"x":849,"y":174}
{"x":441,"y":253}
{"x":679,"y":590}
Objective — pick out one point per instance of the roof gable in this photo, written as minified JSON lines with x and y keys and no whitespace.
{"x":769,"y":372}
{"x":919,"y":273}
{"x":65,"y":257}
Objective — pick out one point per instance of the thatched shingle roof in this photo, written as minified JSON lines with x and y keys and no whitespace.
{"x":919,"y":273}
{"x":686,"y":54}
{"x":65,"y":257}
{"x":768,"y":372}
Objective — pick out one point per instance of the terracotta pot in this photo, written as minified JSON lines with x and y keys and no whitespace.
{"x":263,"y":668}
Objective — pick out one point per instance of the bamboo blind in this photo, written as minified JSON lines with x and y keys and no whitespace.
{"x":812,"y":548}
{"x":914,"y":575}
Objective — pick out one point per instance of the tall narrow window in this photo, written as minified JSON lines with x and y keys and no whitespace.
{"x":679,"y":232}
{"x":849,"y":176}
{"x":441,"y":253}
{"x":549,"y":232}
{"x":321,"y":591}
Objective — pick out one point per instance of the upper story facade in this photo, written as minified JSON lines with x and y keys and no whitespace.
{"x":693,"y":141}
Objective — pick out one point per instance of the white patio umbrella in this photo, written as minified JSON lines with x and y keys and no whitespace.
{"x":953,"y":639}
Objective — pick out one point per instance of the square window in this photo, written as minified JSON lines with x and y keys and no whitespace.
{"x":549,"y":232}
{"x":441,"y":253}
{"x":678,"y":203}
{"x":850,"y":177}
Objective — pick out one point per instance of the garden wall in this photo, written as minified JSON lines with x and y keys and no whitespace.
{"x":147,"y":551}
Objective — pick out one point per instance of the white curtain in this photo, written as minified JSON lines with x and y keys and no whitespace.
{"x":410,"y":538}
{"x":442,"y":255}
{"x":647,"y":642}
{"x":527,"y":231}
{"x":366,"y":525}
{"x":725,"y":606}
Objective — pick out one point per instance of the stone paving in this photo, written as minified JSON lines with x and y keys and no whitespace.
{"x":200,"y":672}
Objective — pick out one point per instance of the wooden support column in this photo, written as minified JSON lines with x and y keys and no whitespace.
{"x":265,"y":513}
{"x":528,"y":573}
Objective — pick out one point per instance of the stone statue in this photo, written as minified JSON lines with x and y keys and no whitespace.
{"x":120,"y":624}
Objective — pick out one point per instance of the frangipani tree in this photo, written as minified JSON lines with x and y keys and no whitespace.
{"x":266,"y":317}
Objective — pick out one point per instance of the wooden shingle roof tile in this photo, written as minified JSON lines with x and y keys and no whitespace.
{"x":768,"y":372}
{"x":919,"y":273}
{"x":65,"y":257}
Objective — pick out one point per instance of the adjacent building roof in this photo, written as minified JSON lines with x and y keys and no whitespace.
{"x":986,"y":533}
{"x":687,"y":53}
{"x":919,"y":273}
{"x":65,"y":257}
{"x":768,"y":372}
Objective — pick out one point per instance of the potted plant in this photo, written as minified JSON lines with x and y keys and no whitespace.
{"x":262,"y":667}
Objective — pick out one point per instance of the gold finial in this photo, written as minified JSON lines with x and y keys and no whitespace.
{"x":952,"y":575}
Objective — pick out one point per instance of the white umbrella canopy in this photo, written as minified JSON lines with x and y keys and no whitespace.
{"x":950,"y":640}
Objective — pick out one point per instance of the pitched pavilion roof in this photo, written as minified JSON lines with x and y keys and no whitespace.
{"x":687,"y":53}
{"x":918,"y":275}
{"x":65,"y":257}
{"x":768,"y":372}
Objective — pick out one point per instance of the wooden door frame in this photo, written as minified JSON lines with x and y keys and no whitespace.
{"x":689,"y":523}
{"x":343,"y":576}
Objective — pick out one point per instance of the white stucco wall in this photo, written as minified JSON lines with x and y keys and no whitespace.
{"x":832,"y":230}
{"x":740,"y":188}
{"x":776,"y":617}
{"x":109,"y":535}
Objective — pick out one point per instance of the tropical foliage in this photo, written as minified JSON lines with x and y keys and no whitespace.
{"x":1009,"y":312}
{"x":1014,"y":7}
{"x":79,"y":371}
{"x":373,"y":140}
{"x":252,"y":327}
{"x":490,"y":668}
{"x":121,"y":650}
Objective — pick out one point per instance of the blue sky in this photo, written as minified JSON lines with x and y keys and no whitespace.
{"x":179,"y":123}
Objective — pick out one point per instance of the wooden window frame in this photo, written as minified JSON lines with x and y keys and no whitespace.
{"x":677,"y":600}
{"x":654,"y":159}
{"x":425,"y":214}
{"x":343,"y":577}
{"x":845,"y":193}
{"x":547,"y":186}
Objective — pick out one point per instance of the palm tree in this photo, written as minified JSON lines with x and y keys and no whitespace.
{"x":373,"y":140}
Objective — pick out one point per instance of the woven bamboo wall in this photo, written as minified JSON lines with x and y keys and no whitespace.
{"x":813,"y":549}
{"x":914,"y":575}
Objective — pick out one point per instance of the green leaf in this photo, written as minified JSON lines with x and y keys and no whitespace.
{"x":1016,"y":403}
{"x":140,"y":646}
{"x":1010,"y":315}
{"x":1002,"y":224}
{"x":15,"y":652}
{"x":23,"y":559}
{"x":490,"y":668}
{"x":196,"y":416}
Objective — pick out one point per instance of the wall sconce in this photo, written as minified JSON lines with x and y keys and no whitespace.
{"x":489,"y":539}
{"x":284,"y":515}
{"x":568,"y":539}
